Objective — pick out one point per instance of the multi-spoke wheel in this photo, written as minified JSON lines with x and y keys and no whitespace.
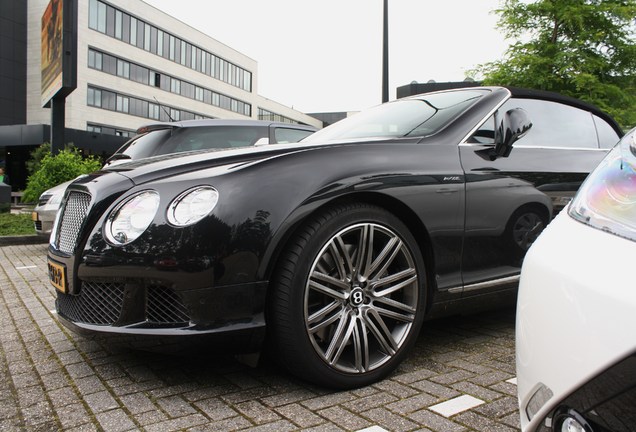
{"x":349,"y":298}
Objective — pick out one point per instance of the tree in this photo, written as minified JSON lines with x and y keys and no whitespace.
{"x":53,"y":170}
{"x":581,"y":48}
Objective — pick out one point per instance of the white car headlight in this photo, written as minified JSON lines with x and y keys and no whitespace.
{"x":56,"y":198}
{"x":607,"y":198}
{"x":131,"y":218}
{"x":192,"y":205}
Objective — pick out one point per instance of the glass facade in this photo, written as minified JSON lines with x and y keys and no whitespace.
{"x":106,"y":19}
{"x":263,"y":114}
{"x":113,"y":101}
{"x":141,"y":74}
{"x":109,"y":130}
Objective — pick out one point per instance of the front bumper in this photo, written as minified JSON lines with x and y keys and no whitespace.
{"x":575,"y":326}
{"x":144,"y":314}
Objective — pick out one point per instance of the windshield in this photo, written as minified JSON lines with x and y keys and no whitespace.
{"x":419,"y":116}
{"x":177,"y":140}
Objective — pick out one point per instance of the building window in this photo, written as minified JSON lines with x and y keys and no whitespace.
{"x":122,"y":104}
{"x":268,"y":115}
{"x":198,"y":94}
{"x":175,"y":86}
{"x":94,"y":59}
{"x":147,"y":37}
{"x":175,"y":115}
{"x":123,"y":68}
{"x":171,"y":44}
{"x":133,"y":31}
{"x":183,"y":53}
{"x":159,"y":43}
{"x":153,"y":111}
{"x":93,"y":128}
{"x":94,"y":97}
{"x":119,"y":25}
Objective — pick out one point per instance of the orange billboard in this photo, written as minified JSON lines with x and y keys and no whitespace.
{"x":59,"y":40}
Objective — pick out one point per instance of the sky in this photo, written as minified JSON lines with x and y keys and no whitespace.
{"x":326,"y":55}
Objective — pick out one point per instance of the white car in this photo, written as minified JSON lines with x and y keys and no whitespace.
{"x":576,"y":310}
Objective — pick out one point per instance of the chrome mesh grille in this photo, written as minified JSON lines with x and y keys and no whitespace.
{"x":75,"y":211}
{"x":101,"y":303}
{"x":98,"y":303}
{"x":165,"y":307}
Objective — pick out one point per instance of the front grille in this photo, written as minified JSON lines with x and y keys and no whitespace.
{"x":102,"y":303}
{"x":74,"y":213}
{"x":165,"y":307}
{"x":98,"y":303}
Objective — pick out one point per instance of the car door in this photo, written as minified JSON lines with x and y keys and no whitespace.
{"x":509,"y":200}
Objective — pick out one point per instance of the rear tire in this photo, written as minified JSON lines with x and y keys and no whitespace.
{"x":348,"y":297}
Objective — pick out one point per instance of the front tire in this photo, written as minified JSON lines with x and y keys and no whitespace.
{"x":348,"y":298}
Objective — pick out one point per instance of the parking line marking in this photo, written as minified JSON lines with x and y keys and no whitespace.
{"x":26,"y":267}
{"x":373,"y":429}
{"x":512,"y":381}
{"x":456,"y":405}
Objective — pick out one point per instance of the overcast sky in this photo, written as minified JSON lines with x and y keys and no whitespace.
{"x":326,"y":55}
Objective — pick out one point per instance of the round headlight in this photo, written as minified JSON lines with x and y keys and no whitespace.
{"x":192,"y":205}
{"x":131,"y":218}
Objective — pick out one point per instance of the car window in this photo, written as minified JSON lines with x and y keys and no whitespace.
{"x":607,"y":136}
{"x":419,"y":116}
{"x":287,"y":135}
{"x":144,"y":145}
{"x":203,"y":138}
{"x":555,"y":124}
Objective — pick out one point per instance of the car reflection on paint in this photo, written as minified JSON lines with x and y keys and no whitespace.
{"x":334,"y":250}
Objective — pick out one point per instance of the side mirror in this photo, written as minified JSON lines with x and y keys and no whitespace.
{"x":513,"y":126}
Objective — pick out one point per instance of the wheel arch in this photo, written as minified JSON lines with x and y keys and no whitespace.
{"x":388,"y":203}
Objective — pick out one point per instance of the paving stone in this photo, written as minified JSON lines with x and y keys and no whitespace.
{"x":115,"y":421}
{"x":53,"y":379}
{"x":344,"y":419}
{"x":435,"y":421}
{"x":300,"y":415}
{"x":389,"y":420}
{"x":412,"y":404}
{"x":100,"y":402}
{"x":175,"y":406}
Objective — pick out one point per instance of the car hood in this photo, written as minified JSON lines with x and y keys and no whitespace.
{"x":158,"y":167}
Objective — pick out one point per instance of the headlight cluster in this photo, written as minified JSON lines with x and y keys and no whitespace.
{"x":607,"y":199}
{"x":132,"y":217}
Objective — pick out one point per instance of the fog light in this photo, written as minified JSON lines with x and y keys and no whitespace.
{"x":541,"y":395}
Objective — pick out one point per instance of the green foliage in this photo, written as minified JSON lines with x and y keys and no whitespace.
{"x":53,"y":170}
{"x":33,"y":164}
{"x":581,"y":48}
{"x":16,"y":224}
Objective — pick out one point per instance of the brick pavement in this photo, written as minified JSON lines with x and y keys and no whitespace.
{"x":460,"y":377}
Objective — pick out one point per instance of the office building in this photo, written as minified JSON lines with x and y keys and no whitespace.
{"x":135,"y":65}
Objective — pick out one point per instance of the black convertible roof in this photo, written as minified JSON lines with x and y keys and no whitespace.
{"x":519,"y":92}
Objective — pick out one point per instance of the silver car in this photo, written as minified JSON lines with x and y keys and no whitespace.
{"x":178,"y":137}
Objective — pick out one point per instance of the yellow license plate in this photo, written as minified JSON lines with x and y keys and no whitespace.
{"x":57,"y":276}
{"x":34,"y":216}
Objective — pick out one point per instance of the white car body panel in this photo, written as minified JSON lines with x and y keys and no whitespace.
{"x":575,"y":310}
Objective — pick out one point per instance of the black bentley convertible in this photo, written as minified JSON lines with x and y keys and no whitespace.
{"x":332,"y":251}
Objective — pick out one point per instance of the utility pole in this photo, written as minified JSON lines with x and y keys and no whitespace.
{"x":385,"y":53}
